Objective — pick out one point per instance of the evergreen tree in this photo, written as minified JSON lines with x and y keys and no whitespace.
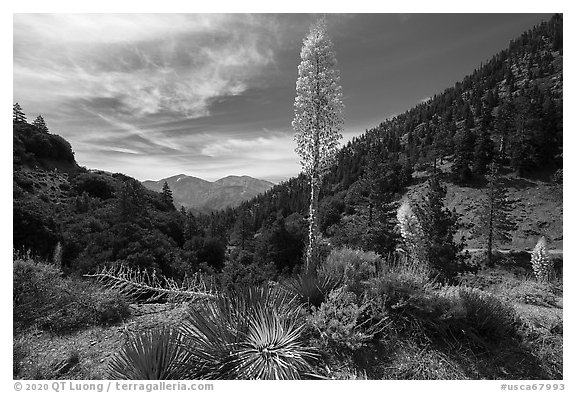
{"x":167,"y":194}
{"x":505,"y":126}
{"x":18,"y":115}
{"x":190,"y":226}
{"x":522,"y":148}
{"x":441,"y":144}
{"x":548,"y":139}
{"x":496,"y":223}
{"x":468,"y":117}
{"x":463,"y":157}
{"x":382,"y":181}
{"x":483,"y":152}
{"x":131,"y":201}
{"x":487,"y":120}
{"x":439,"y":225}
{"x":318,"y":119}
{"x":242,"y":233}
{"x":40,"y":124}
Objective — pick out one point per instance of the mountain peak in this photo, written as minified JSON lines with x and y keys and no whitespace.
{"x":200,"y":194}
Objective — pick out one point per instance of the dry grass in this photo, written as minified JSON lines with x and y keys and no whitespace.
{"x":43,"y":353}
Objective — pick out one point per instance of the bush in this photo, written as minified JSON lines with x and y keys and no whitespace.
{"x":397,"y":282}
{"x":243,"y":273}
{"x":311,"y":288}
{"x":351,"y":267}
{"x":44,"y":298}
{"x":344,"y":322}
{"x":96,"y":185}
{"x":490,"y":318}
{"x":528,"y":291}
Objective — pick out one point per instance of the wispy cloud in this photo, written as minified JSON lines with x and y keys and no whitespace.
{"x":269,"y":148}
{"x":149,"y":64}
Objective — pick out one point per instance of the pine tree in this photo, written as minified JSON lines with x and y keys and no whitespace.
{"x":483,"y":152}
{"x":18,"y":115}
{"x":505,"y":126}
{"x":441,"y":144}
{"x":496,"y":223}
{"x":381,"y":181}
{"x":468,"y":117}
{"x":190,"y":226}
{"x":439,"y":225}
{"x":242,"y":232}
{"x":40,"y":124}
{"x":131,"y":204}
{"x":318,"y":121}
{"x":463,"y":157}
{"x":522,"y":148}
{"x":167,"y":194}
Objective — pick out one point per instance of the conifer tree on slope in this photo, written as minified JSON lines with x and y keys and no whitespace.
{"x":167,"y":194}
{"x":439,"y":225}
{"x":18,"y":115}
{"x":382,"y":180}
{"x":318,"y":121}
{"x":40,"y":124}
{"x":495,"y":224}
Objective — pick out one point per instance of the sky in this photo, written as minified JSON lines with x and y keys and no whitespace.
{"x":212,"y":95}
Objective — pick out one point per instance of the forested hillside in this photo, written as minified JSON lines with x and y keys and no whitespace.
{"x":406,"y":279}
{"x":508,"y":111}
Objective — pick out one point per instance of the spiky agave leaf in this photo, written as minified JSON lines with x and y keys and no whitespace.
{"x":224,"y":335}
{"x":152,"y":355}
{"x":311,"y":288}
{"x":211,"y":333}
{"x":272,"y":348}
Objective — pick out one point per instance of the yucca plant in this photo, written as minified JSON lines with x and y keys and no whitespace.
{"x":312,"y":288}
{"x":272,"y":348}
{"x":251,"y":334}
{"x":541,"y":262}
{"x":152,"y":355}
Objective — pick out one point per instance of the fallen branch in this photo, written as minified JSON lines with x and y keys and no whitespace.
{"x":136,"y":282}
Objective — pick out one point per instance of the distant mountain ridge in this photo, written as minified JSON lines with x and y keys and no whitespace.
{"x":202,"y":195}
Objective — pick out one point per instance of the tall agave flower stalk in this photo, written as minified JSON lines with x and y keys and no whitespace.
{"x":412,"y":233}
{"x":541,"y":262}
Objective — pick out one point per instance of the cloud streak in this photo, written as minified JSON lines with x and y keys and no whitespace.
{"x":149,"y":64}
{"x":151,"y":95}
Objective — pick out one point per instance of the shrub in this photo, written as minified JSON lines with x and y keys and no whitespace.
{"x":237,"y":274}
{"x":95,"y":184}
{"x":490,"y":318}
{"x":19,"y":353}
{"x":343,"y":323}
{"x":311,"y":288}
{"x":44,"y":298}
{"x":397,"y":282}
{"x":350,"y":267}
